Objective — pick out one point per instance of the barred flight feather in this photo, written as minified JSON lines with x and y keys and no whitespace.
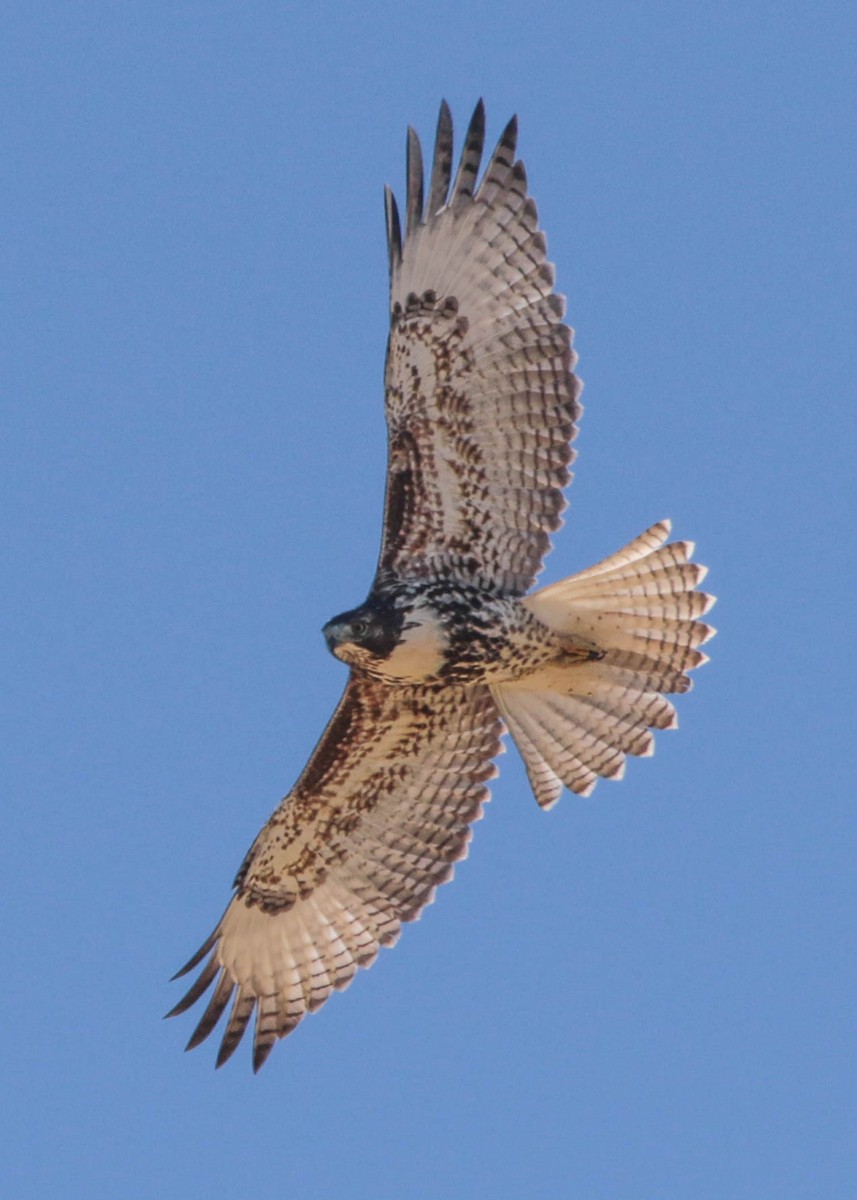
{"x":578,"y":722}
{"x":387,"y":870}
{"x":481,"y":408}
{"x":474,"y":262}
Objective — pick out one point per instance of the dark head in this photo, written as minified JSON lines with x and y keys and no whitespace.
{"x":374,"y":629}
{"x":388,"y":636}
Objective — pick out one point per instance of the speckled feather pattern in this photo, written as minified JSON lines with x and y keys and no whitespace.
{"x":373,"y":825}
{"x":480,"y":398}
{"x":481,"y":406}
{"x":640,"y":605}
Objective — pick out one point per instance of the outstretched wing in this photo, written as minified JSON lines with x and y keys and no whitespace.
{"x":373,"y":825}
{"x":480,"y":398}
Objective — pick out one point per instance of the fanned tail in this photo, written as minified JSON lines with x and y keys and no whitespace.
{"x":574,"y":721}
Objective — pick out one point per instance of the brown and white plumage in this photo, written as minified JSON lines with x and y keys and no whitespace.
{"x":480,"y":398}
{"x":481,"y":407}
{"x":574,"y":726}
{"x":373,"y":825}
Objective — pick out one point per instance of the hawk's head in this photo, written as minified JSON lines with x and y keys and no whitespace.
{"x":393,"y":637}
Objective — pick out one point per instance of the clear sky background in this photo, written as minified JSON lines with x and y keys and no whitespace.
{"x":650,"y":993}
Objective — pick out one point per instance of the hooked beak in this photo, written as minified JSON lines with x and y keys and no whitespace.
{"x":334,"y":635}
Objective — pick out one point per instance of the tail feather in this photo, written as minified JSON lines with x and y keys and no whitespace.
{"x":626,"y":731}
{"x":573,"y":721}
{"x":549,"y":753}
{"x":651,"y":539}
{"x":645,"y":578}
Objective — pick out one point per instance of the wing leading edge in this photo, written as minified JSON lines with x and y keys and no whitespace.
{"x":481,"y":401}
{"x":380,"y":814}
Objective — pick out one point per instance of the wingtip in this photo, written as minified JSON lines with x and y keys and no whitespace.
{"x":197,"y":958}
{"x":415,"y":192}
{"x":477,"y":121}
{"x":441,"y":169}
{"x":261,"y":1050}
{"x":464,"y":184}
{"x":225,"y":1053}
{"x":394,"y":228}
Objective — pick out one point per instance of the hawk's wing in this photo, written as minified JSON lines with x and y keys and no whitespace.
{"x":481,"y":402}
{"x":375,"y":822}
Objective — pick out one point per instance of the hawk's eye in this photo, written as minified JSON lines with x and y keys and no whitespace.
{"x":359,"y":628}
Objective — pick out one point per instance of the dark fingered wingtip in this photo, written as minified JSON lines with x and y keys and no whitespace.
{"x":198,"y":957}
{"x":260,"y":1055}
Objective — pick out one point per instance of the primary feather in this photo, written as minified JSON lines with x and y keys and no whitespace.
{"x":481,"y":406}
{"x":481,"y":403}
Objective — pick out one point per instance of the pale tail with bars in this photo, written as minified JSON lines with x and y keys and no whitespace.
{"x":481,"y":407}
{"x":575,"y":723}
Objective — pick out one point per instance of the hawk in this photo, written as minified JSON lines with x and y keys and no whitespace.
{"x":450,"y":648}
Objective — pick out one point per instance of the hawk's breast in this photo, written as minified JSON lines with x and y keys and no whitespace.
{"x":421,"y":650}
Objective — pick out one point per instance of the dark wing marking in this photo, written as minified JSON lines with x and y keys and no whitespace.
{"x":480,"y":398}
{"x":373,"y":825}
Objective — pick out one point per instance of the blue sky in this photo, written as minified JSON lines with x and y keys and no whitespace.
{"x":647,"y":993}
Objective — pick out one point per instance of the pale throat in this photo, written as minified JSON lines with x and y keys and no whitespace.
{"x":420,"y":653}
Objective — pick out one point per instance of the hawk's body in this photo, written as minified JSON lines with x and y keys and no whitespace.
{"x":481,"y":405}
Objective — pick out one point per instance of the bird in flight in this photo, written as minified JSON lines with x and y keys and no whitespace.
{"x":451,"y":648}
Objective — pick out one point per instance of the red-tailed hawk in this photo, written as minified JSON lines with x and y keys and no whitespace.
{"x":448,"y":649}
